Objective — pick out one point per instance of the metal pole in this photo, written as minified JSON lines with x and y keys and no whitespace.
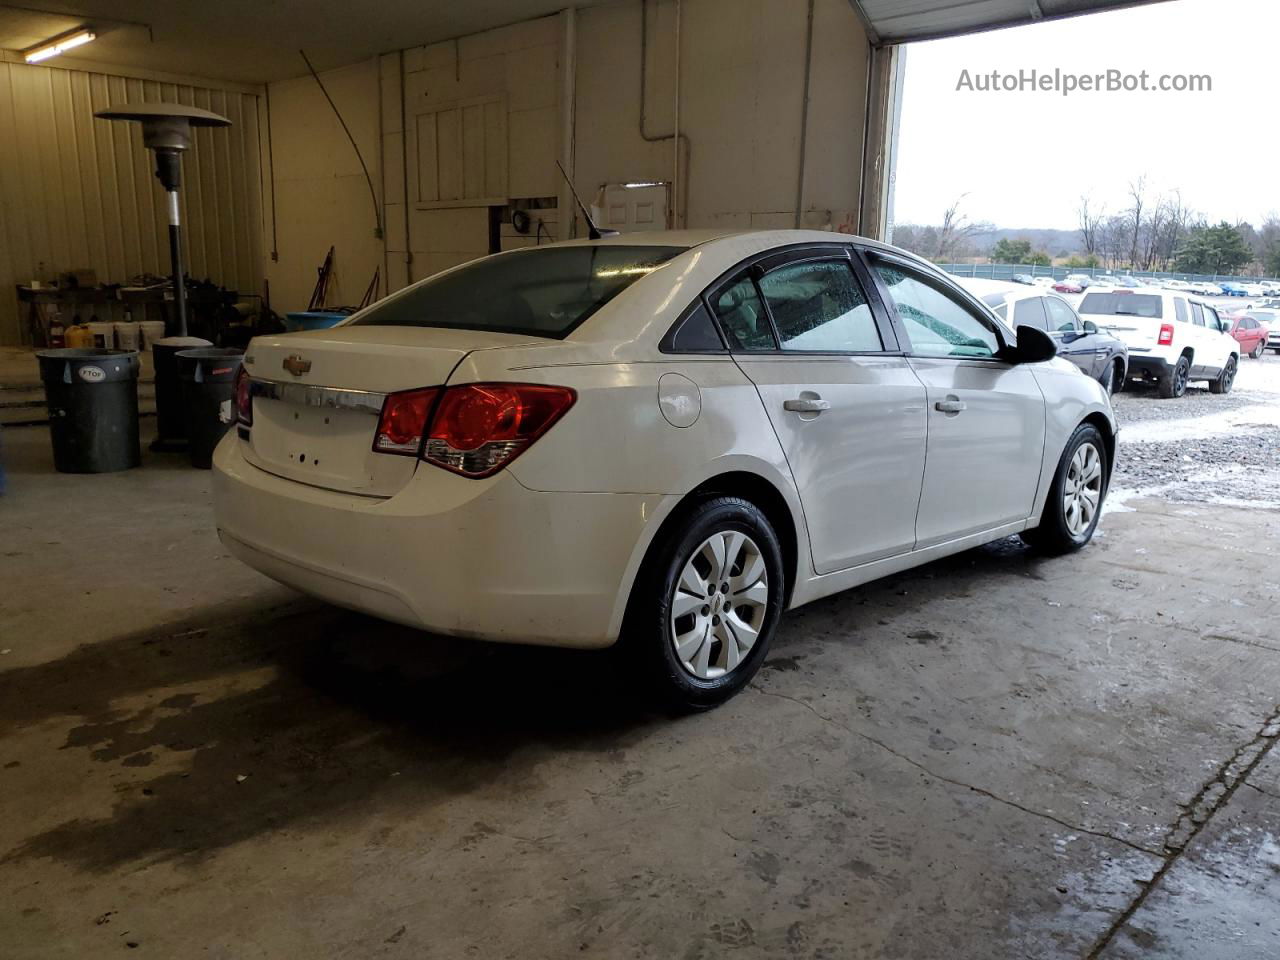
{"x":168,"y":168}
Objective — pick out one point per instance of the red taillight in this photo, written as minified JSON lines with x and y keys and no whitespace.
{"x":474,"y":429}
{"x":403,"y":421}
{"x":244,"y":398}
{"x":479,"y":428}
{"x":1166,"y":334}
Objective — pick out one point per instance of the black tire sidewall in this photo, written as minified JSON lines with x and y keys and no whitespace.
{"x":647,"y":633}
{"x":1184,"y":379}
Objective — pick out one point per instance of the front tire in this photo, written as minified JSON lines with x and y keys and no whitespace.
{"x":1079,"y":487}
{"x":1174,"y":383}
{"x":1225,"y":379}
{"x":706,"y":603}
{"x":1256,"y":352}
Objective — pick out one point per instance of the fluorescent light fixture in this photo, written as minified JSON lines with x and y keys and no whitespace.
{"x":637,"y":184}
{"x":68,"y":41}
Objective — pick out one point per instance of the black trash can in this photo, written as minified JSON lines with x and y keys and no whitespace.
{"x":92,"y":396}
{"x":171,"y":416}
{"x":208,"y":394}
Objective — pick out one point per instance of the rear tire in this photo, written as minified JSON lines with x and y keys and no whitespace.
{"x":1173,"y":383}
{"x":1256,"y":352}
{"x":694,"y":643}
{"x":1074,"y":506}
{"x":1225,"y":379}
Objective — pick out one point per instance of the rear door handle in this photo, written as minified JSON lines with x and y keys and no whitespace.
{"x":950,"y":406}
{"x":806,"y":405}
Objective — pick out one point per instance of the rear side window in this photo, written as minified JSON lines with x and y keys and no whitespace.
{"x":1030,"y":312}
{"x":697,"y":333}
{"x":1125,"y":304}
{"x":1197,"y":315}
{"x":742,"y":316}
{"x":541,"y":293}
{"x":937,"y":325}
{"x":1180,"y":310}
{"x":820,"y":306}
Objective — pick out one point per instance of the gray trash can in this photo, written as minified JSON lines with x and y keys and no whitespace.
{"x":93,"y":408}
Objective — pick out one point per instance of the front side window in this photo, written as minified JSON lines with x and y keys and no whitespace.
{"x":937,"y":325}
{"x":1061,"y":317}
{"x":820,"y":306}
{"x":540,"y":293}
{"x":742,"y":316}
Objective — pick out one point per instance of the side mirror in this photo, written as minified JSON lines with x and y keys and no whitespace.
{"x":1033,"y":346}
{"x":1090,"y":327}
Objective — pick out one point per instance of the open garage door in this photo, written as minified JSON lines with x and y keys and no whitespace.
{"x":891,"y":23}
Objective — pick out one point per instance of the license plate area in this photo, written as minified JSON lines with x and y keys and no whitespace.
{"x":328,"y":443}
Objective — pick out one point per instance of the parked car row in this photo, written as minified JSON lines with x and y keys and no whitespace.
{"x":1079,"y":282}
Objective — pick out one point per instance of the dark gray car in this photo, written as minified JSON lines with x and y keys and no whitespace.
{"x":1100,"y":355}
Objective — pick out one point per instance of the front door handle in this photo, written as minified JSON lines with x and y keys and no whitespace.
{"x":806,"y":405}
{"x":949,"y":406}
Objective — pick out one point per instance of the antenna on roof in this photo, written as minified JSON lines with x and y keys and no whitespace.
{"x":593,"y":232}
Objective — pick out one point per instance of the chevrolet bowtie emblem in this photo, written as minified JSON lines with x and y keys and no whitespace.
{"x":296,"y":365}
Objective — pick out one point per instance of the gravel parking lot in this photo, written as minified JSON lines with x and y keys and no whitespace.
{"x":1203,"y":448}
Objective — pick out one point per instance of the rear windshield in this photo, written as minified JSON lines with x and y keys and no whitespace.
{"x":541,"y":293}
{"x":1123,"y":304}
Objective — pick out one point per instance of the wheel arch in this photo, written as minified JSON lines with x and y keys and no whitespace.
{"x":757,"y":488}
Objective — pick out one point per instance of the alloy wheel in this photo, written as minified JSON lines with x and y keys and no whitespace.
{"x":1180,"y":375}
{"x":1082,"y":490}
{"x":719,"y":604}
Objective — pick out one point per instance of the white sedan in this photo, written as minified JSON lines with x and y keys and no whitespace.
{"x":661,"y":439}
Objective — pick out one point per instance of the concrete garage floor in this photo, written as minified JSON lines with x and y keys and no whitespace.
{"x":993,"y":756}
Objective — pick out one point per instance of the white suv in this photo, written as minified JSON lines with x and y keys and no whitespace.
{"x":1172,"y":338}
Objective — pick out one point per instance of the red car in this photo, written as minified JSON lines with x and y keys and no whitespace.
{"x":1068,"y":286}
{"x":1249,"y":333}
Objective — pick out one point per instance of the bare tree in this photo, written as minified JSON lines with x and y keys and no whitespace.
{"x":1134,"y":215}
{"x":956,"y":231}
{"x":1090,"y":221}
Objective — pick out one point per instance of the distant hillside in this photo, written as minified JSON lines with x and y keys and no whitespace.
{"x":1053,"y":242}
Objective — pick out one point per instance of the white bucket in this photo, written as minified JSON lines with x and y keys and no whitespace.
{"x":152,"y":330}
{"x":128,"y":336}
{"x":104,"y":334}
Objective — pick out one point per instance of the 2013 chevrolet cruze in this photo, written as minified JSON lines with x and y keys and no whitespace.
{"x":662,"y":439}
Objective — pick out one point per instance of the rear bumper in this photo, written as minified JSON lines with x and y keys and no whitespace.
{"x":487,"y":559}
{"x":1148,"y":367}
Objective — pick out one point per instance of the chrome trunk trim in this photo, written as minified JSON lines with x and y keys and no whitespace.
{"x":328,"y":398}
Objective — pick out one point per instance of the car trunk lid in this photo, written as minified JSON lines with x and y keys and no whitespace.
{"x":317,"y":397}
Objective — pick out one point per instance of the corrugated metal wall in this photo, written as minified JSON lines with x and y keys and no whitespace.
{"x":79,"y":192}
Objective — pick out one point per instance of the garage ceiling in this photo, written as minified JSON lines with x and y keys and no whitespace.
{"x":896,"y":21}
{"x":257,"y":41}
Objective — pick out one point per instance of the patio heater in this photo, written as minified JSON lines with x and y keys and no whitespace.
{"x":166,"y":129}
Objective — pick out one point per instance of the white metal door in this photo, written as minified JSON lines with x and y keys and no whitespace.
{"x":985,"y":447}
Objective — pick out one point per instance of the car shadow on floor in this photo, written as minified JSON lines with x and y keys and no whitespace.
{"x":231,"y":725}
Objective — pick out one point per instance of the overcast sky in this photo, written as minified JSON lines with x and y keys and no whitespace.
{"x":1024,"y":158}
